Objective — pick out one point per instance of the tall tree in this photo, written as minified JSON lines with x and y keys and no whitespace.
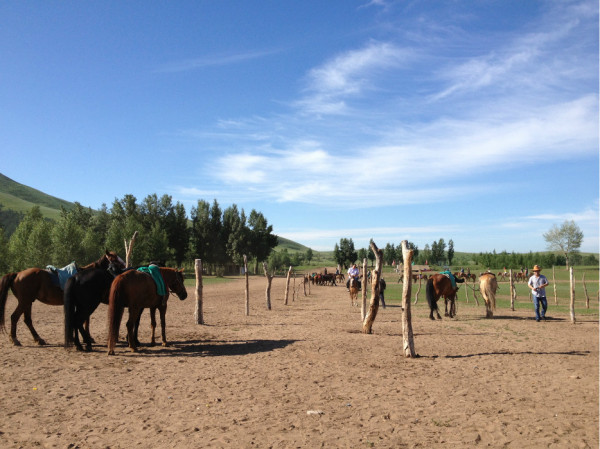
{"x":67,"y":235}
{"x":31,"y":244}
{"x":450,"y":253}
{"x":261,"y":238}
{"x":200,"y":232}
{"x":347,"y":253}
{"x":566,"y":238}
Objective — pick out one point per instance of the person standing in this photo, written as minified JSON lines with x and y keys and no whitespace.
{"x":382,"y":286}
{"x":538,"y":283}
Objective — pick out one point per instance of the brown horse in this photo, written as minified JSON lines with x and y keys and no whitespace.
{"x":137,"y":290}
{"x":353,"y":287}
{"x":488,"y":286}
{"x":437,"y":286}
{"x":36,"y":283}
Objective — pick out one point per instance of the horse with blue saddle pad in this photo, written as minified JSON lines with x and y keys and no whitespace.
{"x":37,"y":283}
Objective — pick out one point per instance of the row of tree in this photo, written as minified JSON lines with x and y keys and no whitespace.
{"x":164,"y":231}
{"x":565,"y":239}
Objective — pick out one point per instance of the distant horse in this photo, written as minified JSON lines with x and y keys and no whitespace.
{"x":437,"y":286}
{"x":137,"y":290}
{"x":36,"y":283}
{"x":467,"y":276}
{"x":488,"y":286}
{"x":353,"y":287}
{"x":83,"y":293}
{"x":340,"y":277}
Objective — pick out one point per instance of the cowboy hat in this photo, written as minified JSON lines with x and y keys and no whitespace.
{"x":536,"y":268}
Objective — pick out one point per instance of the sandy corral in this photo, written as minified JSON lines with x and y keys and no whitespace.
{"x":303,"y":376}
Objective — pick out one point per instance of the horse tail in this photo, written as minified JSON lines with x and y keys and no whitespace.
{"x":5,"y":284}
{"x":491,"y":287}
{"x":430,"y":294}
{"x":69,"y":310}
{"x":116,"y":306}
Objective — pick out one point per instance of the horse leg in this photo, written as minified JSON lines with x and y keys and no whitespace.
{"x":134,"y":315}
{"x":86,"y":326}
{"x":152,"y":325}
{"x":29,"y":323}
{"x":14,"y":319}
{"x":163,"y":324}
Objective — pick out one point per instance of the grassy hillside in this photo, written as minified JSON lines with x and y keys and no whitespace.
{"x":290,"y":245}
{"x":20,"y":198}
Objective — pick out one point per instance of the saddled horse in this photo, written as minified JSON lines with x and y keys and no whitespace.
{"x":138,"y":290}
{"x":83,"y":294}
{"x":488,"y":285}
{"x":37,"y":283}
{"x":437,"y":286}
{"x":353,"y":286}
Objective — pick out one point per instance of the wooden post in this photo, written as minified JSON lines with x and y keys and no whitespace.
{"x":363,"y":309}
{"x":587,"y":298}
{"x":294,"y":288}
{"x":467,"y":290}
{"x":572,"y":279}
{"x":247,"y":289}
{"x":408,"y":343}
{"x":198,"y":314}
{"x":129,"y":249}
{"x":287,"y":286}
{"x":269,"y":280}
{"x":554,"y":285}
{"x":418,"y":290}
{"x":304,"y":282}
{"x":374,"y":303}
{"x":512,"y":291}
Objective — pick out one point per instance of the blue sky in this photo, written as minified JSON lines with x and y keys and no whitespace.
{"x":475,"y":121}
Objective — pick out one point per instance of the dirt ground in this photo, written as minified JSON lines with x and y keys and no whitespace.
{"x":304,"y":376}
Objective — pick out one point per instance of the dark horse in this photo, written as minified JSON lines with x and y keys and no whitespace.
{"x":83,"y":294}
{"x":439,"y":285}
{"x":137,"y":290}
{"x":36,"y":283}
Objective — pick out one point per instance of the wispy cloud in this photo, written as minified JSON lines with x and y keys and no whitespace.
{"x":210,"y":61}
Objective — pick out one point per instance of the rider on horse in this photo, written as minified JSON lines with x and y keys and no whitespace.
{"x":353,"y":273}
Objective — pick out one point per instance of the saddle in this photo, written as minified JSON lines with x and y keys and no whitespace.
{"x":60,"y":276}
{"x":154,"y":271}
{"x":453,"y":279}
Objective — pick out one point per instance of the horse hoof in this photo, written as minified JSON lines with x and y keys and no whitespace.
{"x":16,"y":342}
{"x":88,"y":349}
{"x":41,"y":342}
{"x":111,"y":352}
{"x":165,"y":344}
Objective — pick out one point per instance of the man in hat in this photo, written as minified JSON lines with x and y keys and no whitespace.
{"x":538,"y":283}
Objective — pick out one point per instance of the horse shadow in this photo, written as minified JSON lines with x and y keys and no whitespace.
{"x":202,"y":348}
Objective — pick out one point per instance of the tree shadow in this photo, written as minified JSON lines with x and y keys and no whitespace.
{"x":494,"y":353}
{"x":200,"y":348}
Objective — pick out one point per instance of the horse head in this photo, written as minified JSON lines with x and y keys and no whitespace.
{"x":111,"y":258}
{"x":175,"y":282}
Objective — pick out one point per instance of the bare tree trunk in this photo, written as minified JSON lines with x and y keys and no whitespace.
{"x":408,"y":343}
{"x":269,"y":280}
{"x":587,"y":298}
{"x":198,"y":314}
{"x":304,"y":282}
{"x":374,"y":304}
{"x":287,"y":286}
{"x":294,"y":288}
{"x":247,"y":289}
{"x":363,"y":309}
{"x":418,"y":290}
{"x":129,"y":249}
{"x":512,"y":291}
{"x":572,"y":279}
{"x":554,"y":285}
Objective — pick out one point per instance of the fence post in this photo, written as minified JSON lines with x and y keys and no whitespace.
{"x":198,"y":312}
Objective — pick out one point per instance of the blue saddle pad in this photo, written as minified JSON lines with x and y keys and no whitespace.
{"x":60,"y":276}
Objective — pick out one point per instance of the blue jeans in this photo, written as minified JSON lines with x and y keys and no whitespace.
{"x":536,"y":305}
